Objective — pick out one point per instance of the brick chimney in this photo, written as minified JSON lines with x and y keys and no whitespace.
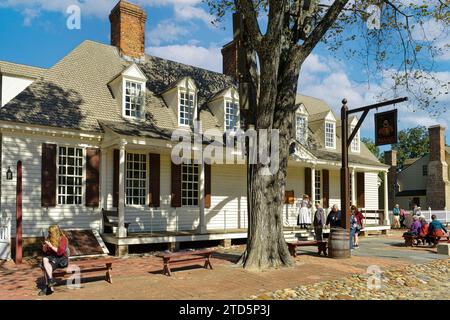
{"x":390,"y":158}
{"x":128,"y":29}
{"x":230,"y":57}
{"x":438,"y":185}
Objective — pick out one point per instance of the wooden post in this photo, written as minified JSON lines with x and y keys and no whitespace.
{"x":345,"y":206}
{"x":19,"y":214}
{"x":121,"y":231}
{"x":201,"y":199}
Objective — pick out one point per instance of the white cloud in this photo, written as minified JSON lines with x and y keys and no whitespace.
{"x":327,"y":80}
{"x":166,"y":32}
{"x":183,"y":9}
{"x":207,"y":58}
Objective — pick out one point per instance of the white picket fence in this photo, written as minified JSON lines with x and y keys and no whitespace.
{"x":5,"y":238}
{"x":442,"y":215}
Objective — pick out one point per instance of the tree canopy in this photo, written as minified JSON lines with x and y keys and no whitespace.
{"x":412,"y":143}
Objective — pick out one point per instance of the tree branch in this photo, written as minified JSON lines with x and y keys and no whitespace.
{"x":319,"y":31}
{"x":251,"y":25}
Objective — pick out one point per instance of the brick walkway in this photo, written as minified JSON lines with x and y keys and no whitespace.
{"x":140,"y":277}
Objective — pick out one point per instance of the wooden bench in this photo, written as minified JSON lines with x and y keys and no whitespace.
{"x":409,"y":240}
{"x":185,"y":257}
{"x":322,"y":246}
{"x":87,"y":266}
{"x":109,"y":223}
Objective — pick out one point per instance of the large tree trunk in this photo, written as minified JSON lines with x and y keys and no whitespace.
{"x":266,"y":246}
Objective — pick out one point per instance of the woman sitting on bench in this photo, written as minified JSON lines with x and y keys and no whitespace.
{"x":436,"y":230}
{"x":424,"y":231}
{"x":415,"y":227}
{"x":56,"y":253}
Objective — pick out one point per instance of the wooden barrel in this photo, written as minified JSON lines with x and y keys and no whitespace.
{"x":339,"y":243}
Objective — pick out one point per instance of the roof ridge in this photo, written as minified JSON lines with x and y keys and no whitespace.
{"x":23,"y":64}
{"x":188,"y":65}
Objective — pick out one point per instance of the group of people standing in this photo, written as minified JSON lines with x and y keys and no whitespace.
{"x":334,"y":219}
{"x":399,"y":215}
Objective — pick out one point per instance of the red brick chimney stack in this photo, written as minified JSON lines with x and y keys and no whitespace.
{"x":438,"y":185}
{"x":128,"y":29}
{"x":230,"y":58}
{"x":390,"y":158}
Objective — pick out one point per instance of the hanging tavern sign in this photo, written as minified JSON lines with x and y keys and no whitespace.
{"x":386,"y":128}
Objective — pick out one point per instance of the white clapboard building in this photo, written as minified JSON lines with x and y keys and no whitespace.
{"x":94,"y":131}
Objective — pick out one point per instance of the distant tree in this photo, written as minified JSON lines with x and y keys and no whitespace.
{"x":370,"y":144}
{"x":412,"y":143}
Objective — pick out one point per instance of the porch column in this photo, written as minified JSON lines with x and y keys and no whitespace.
{"x":313,"y":185}
{"x":103,"y":175}
{"x":353,"y":187}
{"x":121,"y":231}
{"x":387,"y":221}
{"x":201,"y":198}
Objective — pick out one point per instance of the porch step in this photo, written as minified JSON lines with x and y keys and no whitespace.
{"x":302,"y":235}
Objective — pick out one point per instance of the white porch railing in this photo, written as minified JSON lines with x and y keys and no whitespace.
{"x":186,"y":219}
{"x":5,"y":238}
{"x":373,"y":217}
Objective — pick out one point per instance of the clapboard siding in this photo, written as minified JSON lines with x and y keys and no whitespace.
{"x":335,"y":188}
{"x":295,"y":181}
{"x":371,"y":190}
{"x":228,"y":194}
{"x":35,"y":218}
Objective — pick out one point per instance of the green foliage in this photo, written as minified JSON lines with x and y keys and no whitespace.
{"x":401,"y":53}
{"x":370,"y":144}
{"x":412,"y":143}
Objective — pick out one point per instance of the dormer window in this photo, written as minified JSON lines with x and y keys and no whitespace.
{"x":355,"y":142}
{"x":134,"y":99}
{"x":231,"y":116}
{"x":330,"y":135}
{"x":301,"y":125}
{"x":187,"y":108}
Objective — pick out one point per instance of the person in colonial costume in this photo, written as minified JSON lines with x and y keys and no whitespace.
{"x":304,"y":216}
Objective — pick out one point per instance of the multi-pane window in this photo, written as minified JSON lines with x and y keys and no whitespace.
{"x":186,"y":108}
{"x":355,"y":141}
{"x":329,"y":135}
{"x":300,"y":128}
{"x":135,"y":184}
{"x":318,"y":185}
{"x":424,"y":170}
{"x":189,"y":184}
{"x":70,"y":175}
{"x":133,"y":99}
{"x":231,"y":115}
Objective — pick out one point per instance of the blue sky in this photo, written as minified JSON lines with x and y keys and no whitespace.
{"x":35,"y":33}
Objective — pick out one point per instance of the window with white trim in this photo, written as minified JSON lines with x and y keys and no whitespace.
{"x":318,"y":185}
{"x":189,"y":184}
{"x":355,"y":141}
{"x":136,"y":179}
{"x":187,"y":108}
{"x":134,"y":99}
{"x":231,"y":115}
{"x":301,"y":125}
{"x":70,"y":175}
{"x":330,"y":141}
